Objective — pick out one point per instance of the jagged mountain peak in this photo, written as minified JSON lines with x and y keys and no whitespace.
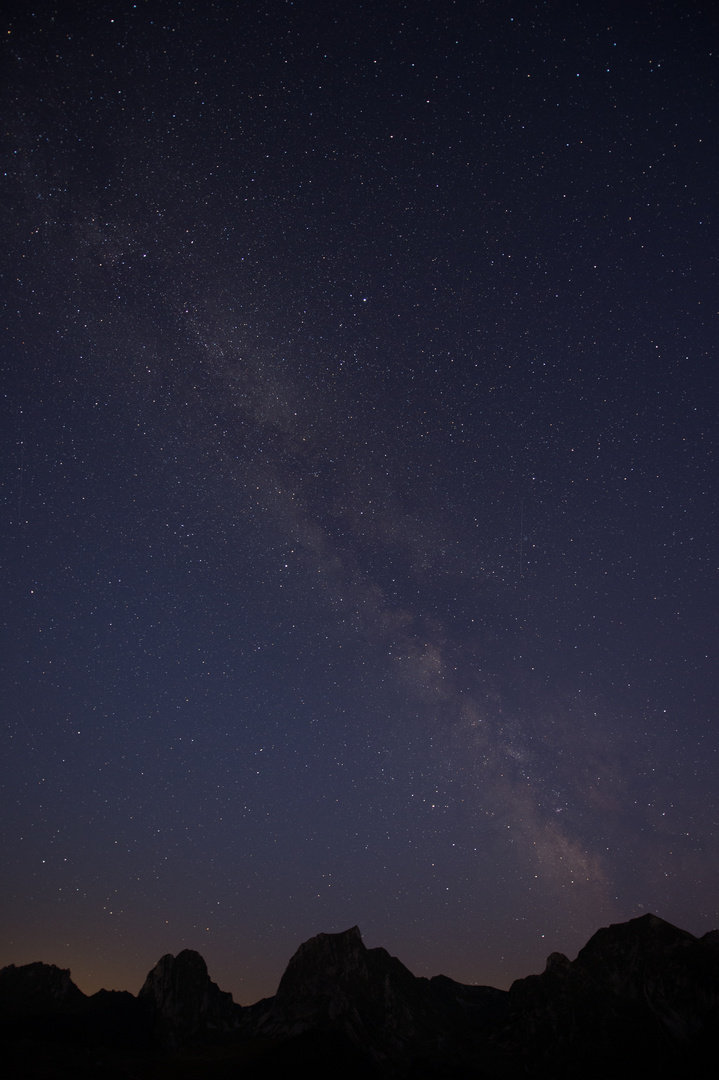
{"x":320,"y":969}
{"x":345,"y":944}
{"x":37,"y":987}
{"x":187,"y":964}
{"x":333,"y":982}
{"x":557,"y":961}
{"x":184,"y":999}
{"x":332,"y":964}
{"x":629,"y":982}
{"x":644,"y":929}
{"x":642,"y":998}
{"x":621,"y":954}
{"x":172,"y":973}
{"x":711,"y":940}
{"x":332,"y":954}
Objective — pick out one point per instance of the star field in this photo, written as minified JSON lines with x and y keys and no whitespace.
{"x":359,"y":483}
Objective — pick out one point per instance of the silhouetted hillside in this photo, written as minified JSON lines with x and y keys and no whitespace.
{"x":642,"y":998}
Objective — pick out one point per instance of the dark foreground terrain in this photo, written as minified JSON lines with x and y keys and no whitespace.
{"x":640,"y":1000}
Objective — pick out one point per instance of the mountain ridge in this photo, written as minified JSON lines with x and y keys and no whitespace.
{"x":640,"y":996}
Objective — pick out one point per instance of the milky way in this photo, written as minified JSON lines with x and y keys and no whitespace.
{"x":359,"y":485}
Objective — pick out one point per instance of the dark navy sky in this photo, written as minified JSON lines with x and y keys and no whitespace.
{"x":359,"y":523}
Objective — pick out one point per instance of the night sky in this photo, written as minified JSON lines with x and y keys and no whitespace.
{"x":359,"y":526}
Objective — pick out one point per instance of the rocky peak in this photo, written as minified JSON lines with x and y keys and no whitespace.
{"x":631,"y":983}
{"x":660,"y":966}
{"x":37,"y":988}
{"x":183,"y":998}
{"x":621,"y":955}
{"x":641,"y":999}
{"x":557,"y":961}
{"x":334,"y":984}
{"x":711,"y":940}
{"x":323,"y":970}
{"x":332,"y":974}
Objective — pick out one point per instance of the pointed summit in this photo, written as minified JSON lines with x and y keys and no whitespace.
{"x":183,"y":998}
{"x":332,"y":975}
{"x":323,"y":970}
{"x":335,"y":987}
{"x":630,"y":982}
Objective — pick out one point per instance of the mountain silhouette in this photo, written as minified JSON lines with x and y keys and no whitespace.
{"x":641,"y":998}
